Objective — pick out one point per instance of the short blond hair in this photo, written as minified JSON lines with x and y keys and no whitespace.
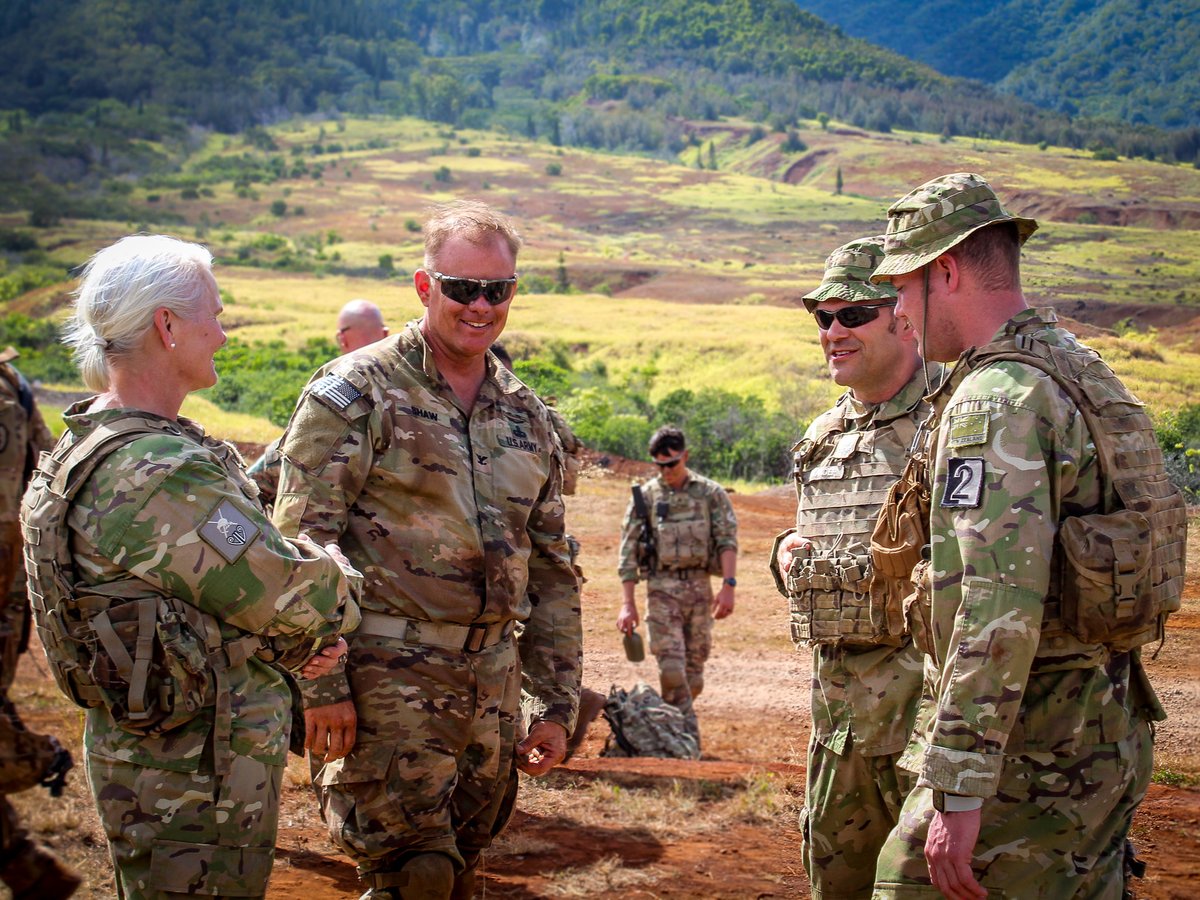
{"x":471,"y":220}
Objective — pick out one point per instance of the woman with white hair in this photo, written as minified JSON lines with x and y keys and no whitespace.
{"x":165,"y":599}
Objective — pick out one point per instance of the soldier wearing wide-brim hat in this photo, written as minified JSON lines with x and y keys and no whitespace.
{"x":1035,"y":748}
{"x":866,"y":680}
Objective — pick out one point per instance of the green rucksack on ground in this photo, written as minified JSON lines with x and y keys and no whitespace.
{"x":643,"y":724}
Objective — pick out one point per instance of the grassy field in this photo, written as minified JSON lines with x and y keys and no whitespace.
{"x":692,"y":271}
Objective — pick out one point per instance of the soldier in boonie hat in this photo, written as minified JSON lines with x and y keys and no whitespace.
{"x":848,"y":275}
{"x":925,"y":223}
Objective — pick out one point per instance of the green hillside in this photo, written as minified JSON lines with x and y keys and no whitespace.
{"x":1128,"y":60}
{"x":652,"y":290}
{"x":110,"y":86}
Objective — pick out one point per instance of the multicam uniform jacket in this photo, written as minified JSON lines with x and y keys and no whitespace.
{"x":691,"y":526}
{"x":153,"y":520}
{"x":1014,"y":458}
{"x":375,"y":458}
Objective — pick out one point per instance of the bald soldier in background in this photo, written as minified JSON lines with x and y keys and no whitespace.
{"x":26,"y":758}
{"x":866,"y":680}
{"x":439,"y":473}
{"x":359,"y":323}
{"x":1056,"y":549}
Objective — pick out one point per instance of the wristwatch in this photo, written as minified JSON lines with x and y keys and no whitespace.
{"x":948,"y":803}
{"x":732,"y":582}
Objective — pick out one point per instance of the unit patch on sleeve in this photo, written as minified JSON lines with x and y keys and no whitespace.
{"x":228,"y":531}
{"x":967,"y":429}
{"x":964,"y":482}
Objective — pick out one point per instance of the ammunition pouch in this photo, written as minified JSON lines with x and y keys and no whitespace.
{"x":683,"y":544}
{"x":830,"y":600}
{"x":899,"y":543}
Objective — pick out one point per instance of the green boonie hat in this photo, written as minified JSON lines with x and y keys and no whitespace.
{"x":848,"y":274}
{"x":925,"y":223}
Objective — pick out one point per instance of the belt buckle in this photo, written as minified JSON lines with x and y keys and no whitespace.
{"x":476,"y":636}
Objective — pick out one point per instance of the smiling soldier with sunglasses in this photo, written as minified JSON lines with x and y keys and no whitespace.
{"x":866,"y":682}
{"x":440,"y":475}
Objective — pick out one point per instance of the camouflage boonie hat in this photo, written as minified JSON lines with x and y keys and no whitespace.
{"x":848,"y":275}
{"x":925,"y":223}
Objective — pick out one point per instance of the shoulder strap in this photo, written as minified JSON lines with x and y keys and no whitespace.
{"x":1023,"y":352}
{"x":68,"y":472}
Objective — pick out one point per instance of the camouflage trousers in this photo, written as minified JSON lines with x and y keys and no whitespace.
{"x":14,"y":619}
{"x":851,"y":804}
{"x":1055,"y":828}
{"x":175,"y":833}
{"x":679,"y":622}
{"x":433,"y":768}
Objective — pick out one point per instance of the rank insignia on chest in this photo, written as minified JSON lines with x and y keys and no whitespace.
{"x":964,"y":482}
{"x":845,"y":446}
{"x":228,"y":531}
{"x":967,"y":429}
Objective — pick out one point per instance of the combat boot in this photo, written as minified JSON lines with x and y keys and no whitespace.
{"x":34,"y":873}
{"x":590,"y":704}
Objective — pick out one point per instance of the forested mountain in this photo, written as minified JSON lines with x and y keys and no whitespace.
{"x":1130,"y":60}
{"x":97,"y":88}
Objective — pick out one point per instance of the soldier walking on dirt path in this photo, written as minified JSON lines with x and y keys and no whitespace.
{"x":694,"y":532}
{"x":1055,"y":550}
{"x":440,"y":474}
{"x":866,"y":681}
{"x":26,"y":759}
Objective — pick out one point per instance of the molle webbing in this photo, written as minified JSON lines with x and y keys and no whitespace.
{"x":1130,"y":462}
{"x":842,"y":478}
{"x":75,"y":622}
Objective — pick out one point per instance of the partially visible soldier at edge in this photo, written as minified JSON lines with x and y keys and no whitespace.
{"x":694,"y":529}
{"x":590,"y":702}
{"x":1033,"y":745}
{"x":26,"y":759}
{"x":866,"y":679}
{"x":439,"y":473}
{"x":164,"y":598}
{"x":359,"y":323}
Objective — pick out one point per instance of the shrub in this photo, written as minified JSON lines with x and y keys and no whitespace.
{"x":553,"y":169}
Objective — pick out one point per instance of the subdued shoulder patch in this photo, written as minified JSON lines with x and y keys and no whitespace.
{"x":336,"y":391}
{"x":229,"y":531}
{"x":964,"y":482}
{"x":967,"y":429}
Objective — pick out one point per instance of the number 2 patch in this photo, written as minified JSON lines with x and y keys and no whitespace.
{"x":964,"y":482}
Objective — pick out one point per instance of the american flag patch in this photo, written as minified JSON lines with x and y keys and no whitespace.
{"x":336,"y":391}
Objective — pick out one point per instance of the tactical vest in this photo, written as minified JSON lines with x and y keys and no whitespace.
{"x":682,"y":530}
{"x":1118,"y":572}
{"x":842,"y":478}
{"x":154,"y":662}
{"x":1115,"y":575}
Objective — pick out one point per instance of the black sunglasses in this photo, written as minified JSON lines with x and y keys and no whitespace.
{"x":464,"y":290}
{"x":669,"y":463}
{"x":851,"y":316}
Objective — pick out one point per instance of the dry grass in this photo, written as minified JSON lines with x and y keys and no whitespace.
{"x":607,"y":874}
{"x":671,"y":809}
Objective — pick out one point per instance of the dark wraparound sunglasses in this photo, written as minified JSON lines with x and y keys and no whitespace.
{"x":464,"y":290}
{"x":669,"y":463}
{"x":851,"y":316}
